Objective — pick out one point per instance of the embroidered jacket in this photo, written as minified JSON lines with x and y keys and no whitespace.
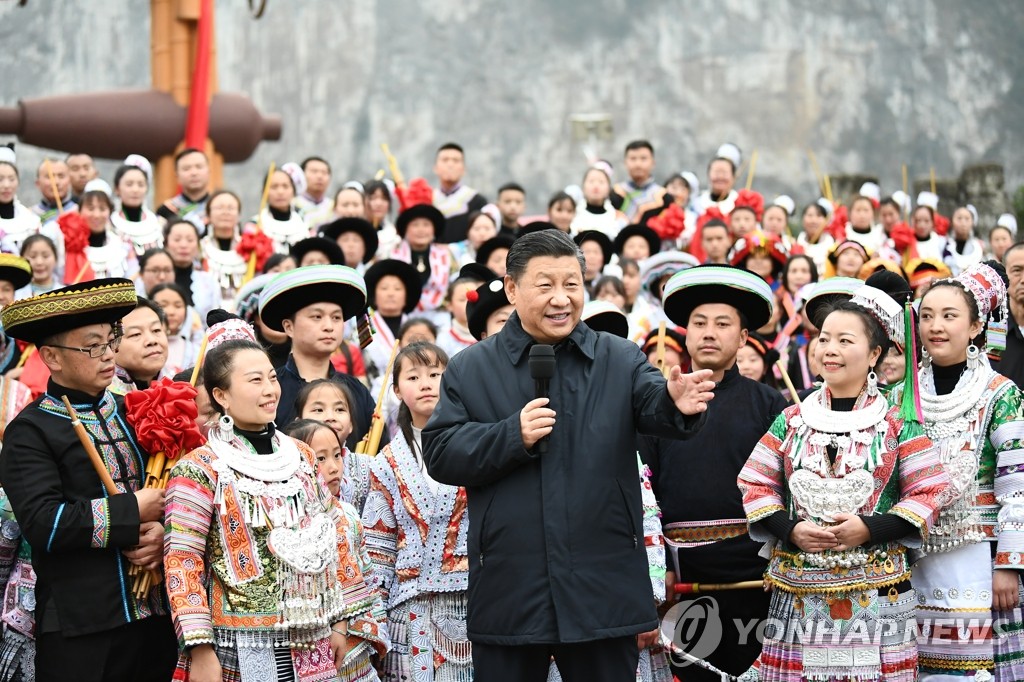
{"x":76,"y":528}
{"x":891,"y":468}
{"x":416,"y":537}
{"x":222,"y":578}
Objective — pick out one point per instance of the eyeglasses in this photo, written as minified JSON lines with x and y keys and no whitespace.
{"x":96,"y":350}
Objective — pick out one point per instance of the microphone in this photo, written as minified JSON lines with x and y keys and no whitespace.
{"x":542,"y":368}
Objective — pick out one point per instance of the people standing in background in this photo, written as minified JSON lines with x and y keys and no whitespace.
{"x":721,"y":179}
{"x":451,"y":197}
{"x":52,"y":182}
{"x":314,"y":202}
{"x":640,"y":191}
{"x":511,"y":204}
{"x":133,"y":221}
{"x":192,"y":168}
{"x":219,"y":248}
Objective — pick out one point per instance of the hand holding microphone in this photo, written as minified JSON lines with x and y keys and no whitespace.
{"x":536,"y":419}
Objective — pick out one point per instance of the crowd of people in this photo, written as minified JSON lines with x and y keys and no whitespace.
{"x":812,"y":408}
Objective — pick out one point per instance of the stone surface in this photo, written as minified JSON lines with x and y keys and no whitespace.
{"x":867,"y":84}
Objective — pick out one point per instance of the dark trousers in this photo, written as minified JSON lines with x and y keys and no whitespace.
{"x":604,"y":660}
{"x":143,"y":651}
{"x":739,"y":647}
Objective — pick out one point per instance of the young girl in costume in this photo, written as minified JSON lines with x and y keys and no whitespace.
{"x":416,"y":535}
{"x":331,"y":403}
{"x":971,"y":571}
{"x":41,"y":253}
{"x":839,"y":488}
{"x":262,"y":569}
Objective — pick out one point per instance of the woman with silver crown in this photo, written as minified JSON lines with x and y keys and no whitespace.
{"x":280,"y":220}
{"x":134,"y":221}
{"x":264,"y":579}
{"x":971,"y":571}
{"x":839,"y":488}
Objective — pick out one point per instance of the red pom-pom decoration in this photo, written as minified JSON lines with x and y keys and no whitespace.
{"x":258,"y":243}
{"x":164,"y":417}
{"x":670,"y":223}
{"x":472,"y":296}
{"x":418,"y":192}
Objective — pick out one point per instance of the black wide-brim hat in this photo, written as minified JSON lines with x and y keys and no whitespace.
{"x":535,"y":226}
{"x":653,"y":240}
{"x":602,"y":240}
{"x":604,"y":316}
{"x":420,"y":211}
{"x":739,"y":288}
{"x":502,"y":241}
{"x":15,"y":269}
{"x":309,"y":245}
{"x":477,"y":272}
{"x":293,"y":290}
{"x":98,"y":301}
{"x":361,"y":227}
{"x":403,"y":271}
{"x":489,"y":297}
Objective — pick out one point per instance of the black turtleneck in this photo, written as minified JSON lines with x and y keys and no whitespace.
{"x":393,"y":323}
{"x":591,"y":208}
{"x":280,"y":215}
{"x":7,"y":210}
{"x":946,"y":377}
{"x":224,"y":244}
{"x":961,"y":244}
{"x":98,"y":239}
{"x":183,"y":278}
{"x":261,"y":441}
{"x":132,"y":213}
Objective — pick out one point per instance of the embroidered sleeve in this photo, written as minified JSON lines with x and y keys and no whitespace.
{"x":923,"y":481}
{"x":1006,"y":434}
{"x":100,"y":523}
{"x":381,"y":529}
{"x":653,"y":538}
{"x":370,"y":624}
{"x":357,"y":594}
{"x":762,"y":480}
{"x":187,"y":519}
{"x":10,"y":539}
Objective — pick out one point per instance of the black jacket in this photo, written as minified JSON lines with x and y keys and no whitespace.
{"x":556,"y":549}
{"x":695,"y":480}
{"x":75,"y":529}
{"x":1011,"y":364}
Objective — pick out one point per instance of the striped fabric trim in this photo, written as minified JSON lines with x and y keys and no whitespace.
{"x":718,"y":275}
{"x":312,"y":275}
{"x":100,"y":523}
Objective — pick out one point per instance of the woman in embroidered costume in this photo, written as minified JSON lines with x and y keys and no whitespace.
{"x":482,"y":226}
{"x":280,"y":220}
{"x":331,"y":402}
{"x":839,"y":487}
{"x":416,"y":534}
{"x":419,"y":225}
{"x":393,"y":288}
{"x":17,"y":221}
{"x":973,"y":557}
{"x":223,"y":262}
{"x":596,"y":211}
{"x":109,"y":254}
{"x":133,"y":221}
{"x":262,"y":567}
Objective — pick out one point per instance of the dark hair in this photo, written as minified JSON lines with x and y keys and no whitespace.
{"x":450,"y":145}
{"x":810,"y":264}
{"x":373,"y":186}
{"x":715,"y":222}
{"x":972,"y":305}
{"x":931,"y":212}
{"x":859,"y":198}
{"x":345,"y":188}
{"x":218,"y":365}
{"x":124,"y":169}
{"x":35,"y":239}
{"x":781,"y":208}
{"x":143,"y":302}
{"x":221,"y":192}
{"x":420,"y":353}
{"x":511,"y":187}
{"x":889,"y":201}
{"x":818,"y":208}
{"x":98,"y":195}
{"x":306,"y":161}
{"x":626,"y":263}
{"x":613,"y":282}
{"x":473,"y":215}
{"x":273,"y":260}
{"x":168,"y":286}
{"x":185,"y":152}
{"x":305,"y":429}
{"x":307,"y":390}
{"x":185,"y":376}
{"x":414,"y":321}
{"x":174,"y":222}
{"x":639,"y":144}
{"x":290,"y":181}
{"x":553,"y":243}
{"x":559,"y":197}
{"x":877,"y":336}
{"x":722,"y":158}
{"x":1013,"y":247}
{"x":150,"y":253}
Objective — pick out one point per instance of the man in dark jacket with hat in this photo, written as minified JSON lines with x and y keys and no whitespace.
{"x":557,"y":563}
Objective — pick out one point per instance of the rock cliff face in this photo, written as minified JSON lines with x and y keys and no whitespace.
{"x":868,"y":85}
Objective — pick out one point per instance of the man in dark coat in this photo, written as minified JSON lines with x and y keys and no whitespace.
{"x":695,"y":480}
{"x":89,"y":625}
{"x":557,"y":564}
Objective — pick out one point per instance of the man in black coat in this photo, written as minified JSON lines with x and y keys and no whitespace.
{"x":84,"y":540}
{"x":557,"y":564}
{"x":695,"y":480}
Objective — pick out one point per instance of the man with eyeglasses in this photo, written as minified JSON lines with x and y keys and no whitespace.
{"x":87,"y":624}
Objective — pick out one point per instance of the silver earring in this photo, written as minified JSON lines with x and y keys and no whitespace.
{"x":226,"y":428}
{"x":872,"y":384}
{"x":926,"y":358}
{"x":973,"y":357}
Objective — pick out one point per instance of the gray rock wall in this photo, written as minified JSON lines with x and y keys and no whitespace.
{"x":868,"y":84}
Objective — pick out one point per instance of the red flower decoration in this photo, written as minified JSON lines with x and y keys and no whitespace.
{"x":472,"y":296}
{"x":941,"y":224}
{"x":164,"y":417}
{"x":902,"y":237}
{"x":258,"y":243}
{"x":670,"y":223}
{"x":76,"y":232}
{"x":696,"y":248}
{"x":418,"y":192}
{"x":748,"y":198}
{"x":837,"y":228}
